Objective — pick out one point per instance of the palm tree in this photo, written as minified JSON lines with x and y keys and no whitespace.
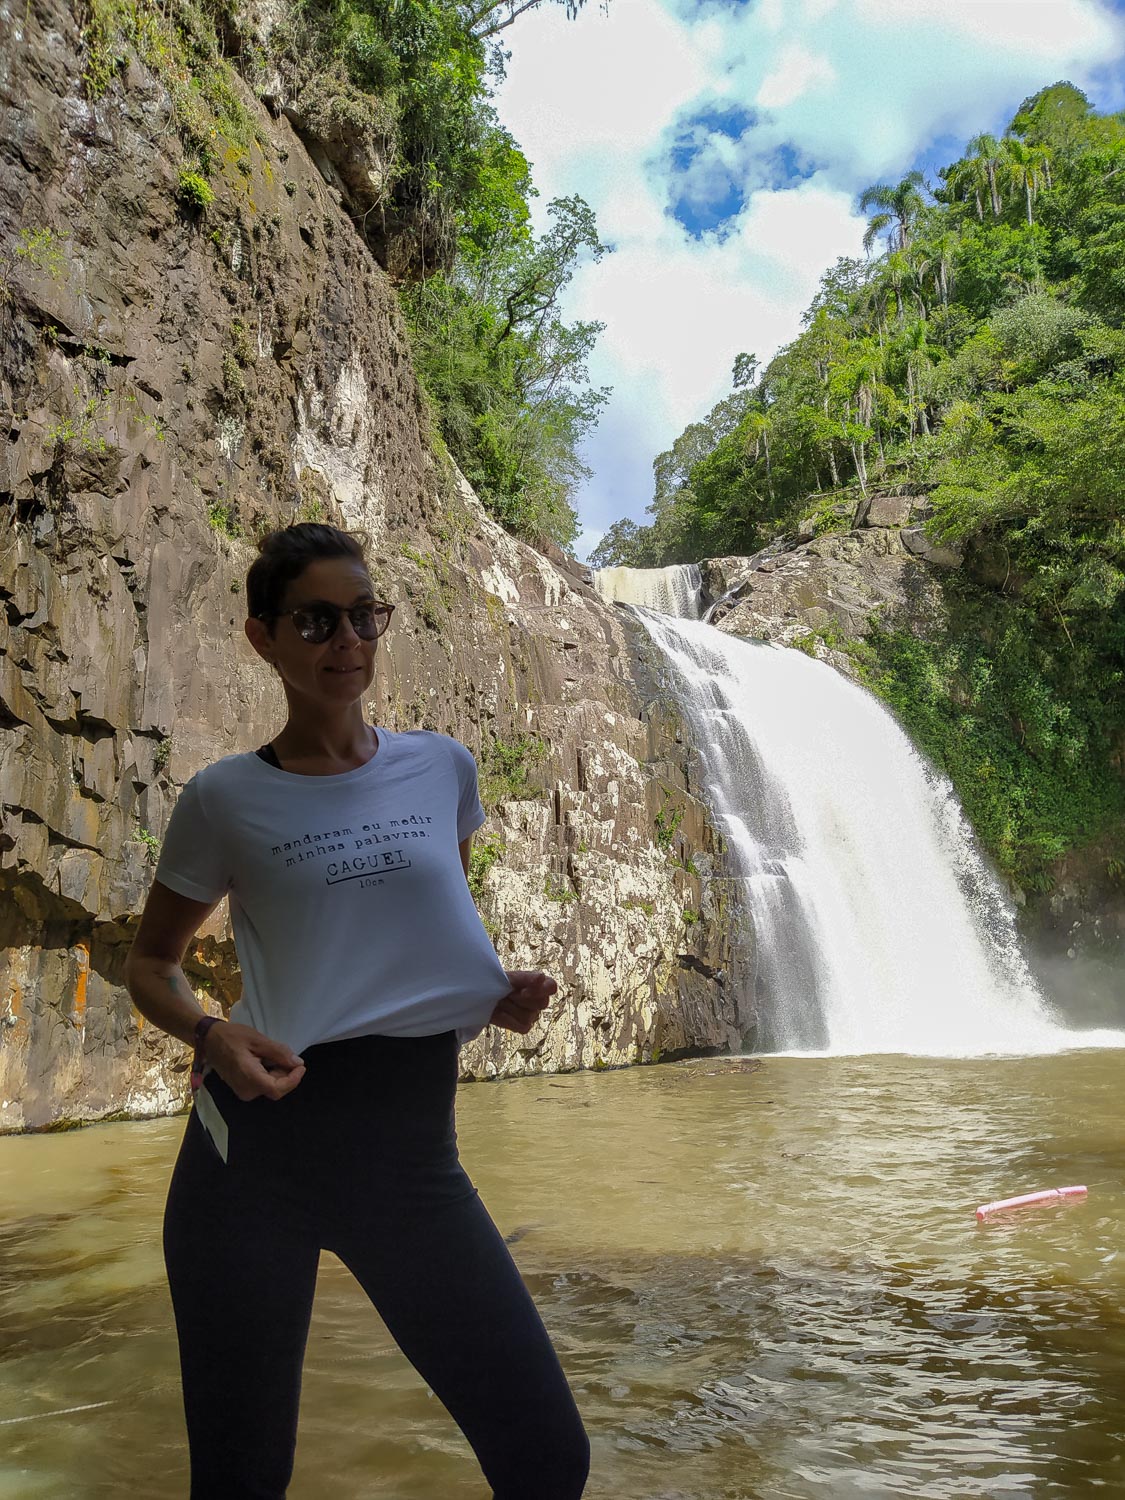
{"x":987,"y":153}
{"x":897,"y":273}
{"x":1027,"y":167}
{"x":916,"y":349}
{"x":939,"y":261}
{"x":898,"y":207}
{"x":966,"y":179}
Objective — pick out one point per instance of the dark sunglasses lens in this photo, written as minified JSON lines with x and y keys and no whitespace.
{"x":369,"y":622}
{"x":315,"y":625}
{"x":318,"y":625}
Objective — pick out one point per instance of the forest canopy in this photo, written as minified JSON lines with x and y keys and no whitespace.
{"x":950,"y":362}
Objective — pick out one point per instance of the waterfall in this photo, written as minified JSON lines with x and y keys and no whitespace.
{"x":878,"y":926}
{"x":673,"y":591}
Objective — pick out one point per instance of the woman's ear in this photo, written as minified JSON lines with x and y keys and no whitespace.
{"x":259,"y":637}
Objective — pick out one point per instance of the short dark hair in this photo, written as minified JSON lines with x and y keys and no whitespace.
{"x":284,"y":555}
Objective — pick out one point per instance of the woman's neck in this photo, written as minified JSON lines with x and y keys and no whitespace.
{"x":325,"y":747}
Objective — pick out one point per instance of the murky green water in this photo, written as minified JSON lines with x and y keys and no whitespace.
{"x":764,"y":1284}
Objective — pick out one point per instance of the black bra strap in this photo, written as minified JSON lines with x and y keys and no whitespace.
{"x":269,"y":755}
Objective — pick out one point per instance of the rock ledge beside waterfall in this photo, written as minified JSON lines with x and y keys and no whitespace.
{"x":845,"y":581}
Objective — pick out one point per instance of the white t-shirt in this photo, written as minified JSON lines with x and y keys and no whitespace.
{"x":349,"y":903}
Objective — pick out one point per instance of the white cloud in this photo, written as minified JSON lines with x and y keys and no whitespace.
{"x":1042,"y":27}
{"x":859,"y":89}
{"x":796,"y":72}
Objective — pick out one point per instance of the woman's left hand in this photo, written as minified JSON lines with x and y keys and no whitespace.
{"x":525,"y":1002}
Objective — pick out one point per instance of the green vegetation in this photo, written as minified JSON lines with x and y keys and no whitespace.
{"x":234,"y":382}
{"x":555,"y":888}
{"x":194,"y":191}
{"x":647,"y":907}
{"x":80,"y":429}
{"x":42,"y":248}
{"x":484,"y":853}
{"x":151,"y":843}
{"x":432,"y":593}
{"x":666,"y":824}
{"x":224,"y":519}
{"x":241,"y":347}
{"x":977,"y":362}
{"x":312,"y":510}
{"x":506,"y":769}
{"x":1011,"y":714}
{"x":507,"y":378}
{"x":83,"y":427}
{"x":184,"y":44}
{"x":162,"y":753}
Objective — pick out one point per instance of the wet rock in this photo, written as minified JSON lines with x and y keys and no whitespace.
{"x":938,"y":555}
{"x":837,"y":582}
{"x":888,"y":510}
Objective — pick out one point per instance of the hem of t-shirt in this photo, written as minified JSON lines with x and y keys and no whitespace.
{"x":185,"y":887}
{"x":383,"y":1026}
{"x":383,"y":736}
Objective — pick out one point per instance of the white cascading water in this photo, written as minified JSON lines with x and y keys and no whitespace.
{"x":672,"y":591}
{"x":878,"y":926}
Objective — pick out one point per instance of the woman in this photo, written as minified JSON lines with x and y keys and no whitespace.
{"x":324,"y":1106}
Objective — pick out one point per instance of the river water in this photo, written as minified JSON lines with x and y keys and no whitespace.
{"x":764,"y":1281}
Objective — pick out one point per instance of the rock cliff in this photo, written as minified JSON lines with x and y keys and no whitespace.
{"x":836,"y":584}
{"x":174,"y":377}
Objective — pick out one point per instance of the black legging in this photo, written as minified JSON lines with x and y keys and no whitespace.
{"x":360,"y":1159}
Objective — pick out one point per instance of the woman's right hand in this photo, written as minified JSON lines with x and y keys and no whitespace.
{"x":253,"y":1066}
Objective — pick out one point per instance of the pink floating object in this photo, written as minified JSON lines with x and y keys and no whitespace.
{"x":1049,"y":1195}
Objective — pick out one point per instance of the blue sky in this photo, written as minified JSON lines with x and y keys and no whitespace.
{"x":723,"y":144}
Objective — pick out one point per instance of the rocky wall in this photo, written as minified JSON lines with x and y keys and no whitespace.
{"x":172,"y":381}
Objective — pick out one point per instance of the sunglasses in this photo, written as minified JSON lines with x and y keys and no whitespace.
{"x":317,"y":623}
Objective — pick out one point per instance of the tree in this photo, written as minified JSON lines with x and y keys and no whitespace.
{"x":966,"y":179}
{"x":898,"y":207}
{"x":937,"y":258}
{"x":755,"y":429}
{"x":529,"y":285}
{"x":624,"y":545}
{"x":489,"y":17}
{"x":1027,"y":168}
{"x":745,"y":371}
{"x":1058,"y":117}
{"x":917,"y":359}
{"x":508,"y":376}
{"x":986,"y":154}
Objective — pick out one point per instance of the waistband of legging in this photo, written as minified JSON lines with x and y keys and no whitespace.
{"x":368,"y":1075}
{"x":375,"y":1044}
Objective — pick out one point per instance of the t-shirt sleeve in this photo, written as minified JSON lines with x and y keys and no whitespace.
{"x":193,"y":861}
{"x":470,"y":813}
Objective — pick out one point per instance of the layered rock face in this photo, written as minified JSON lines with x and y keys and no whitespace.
{"x":840,"y":582}
{"x":172,"y":383}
